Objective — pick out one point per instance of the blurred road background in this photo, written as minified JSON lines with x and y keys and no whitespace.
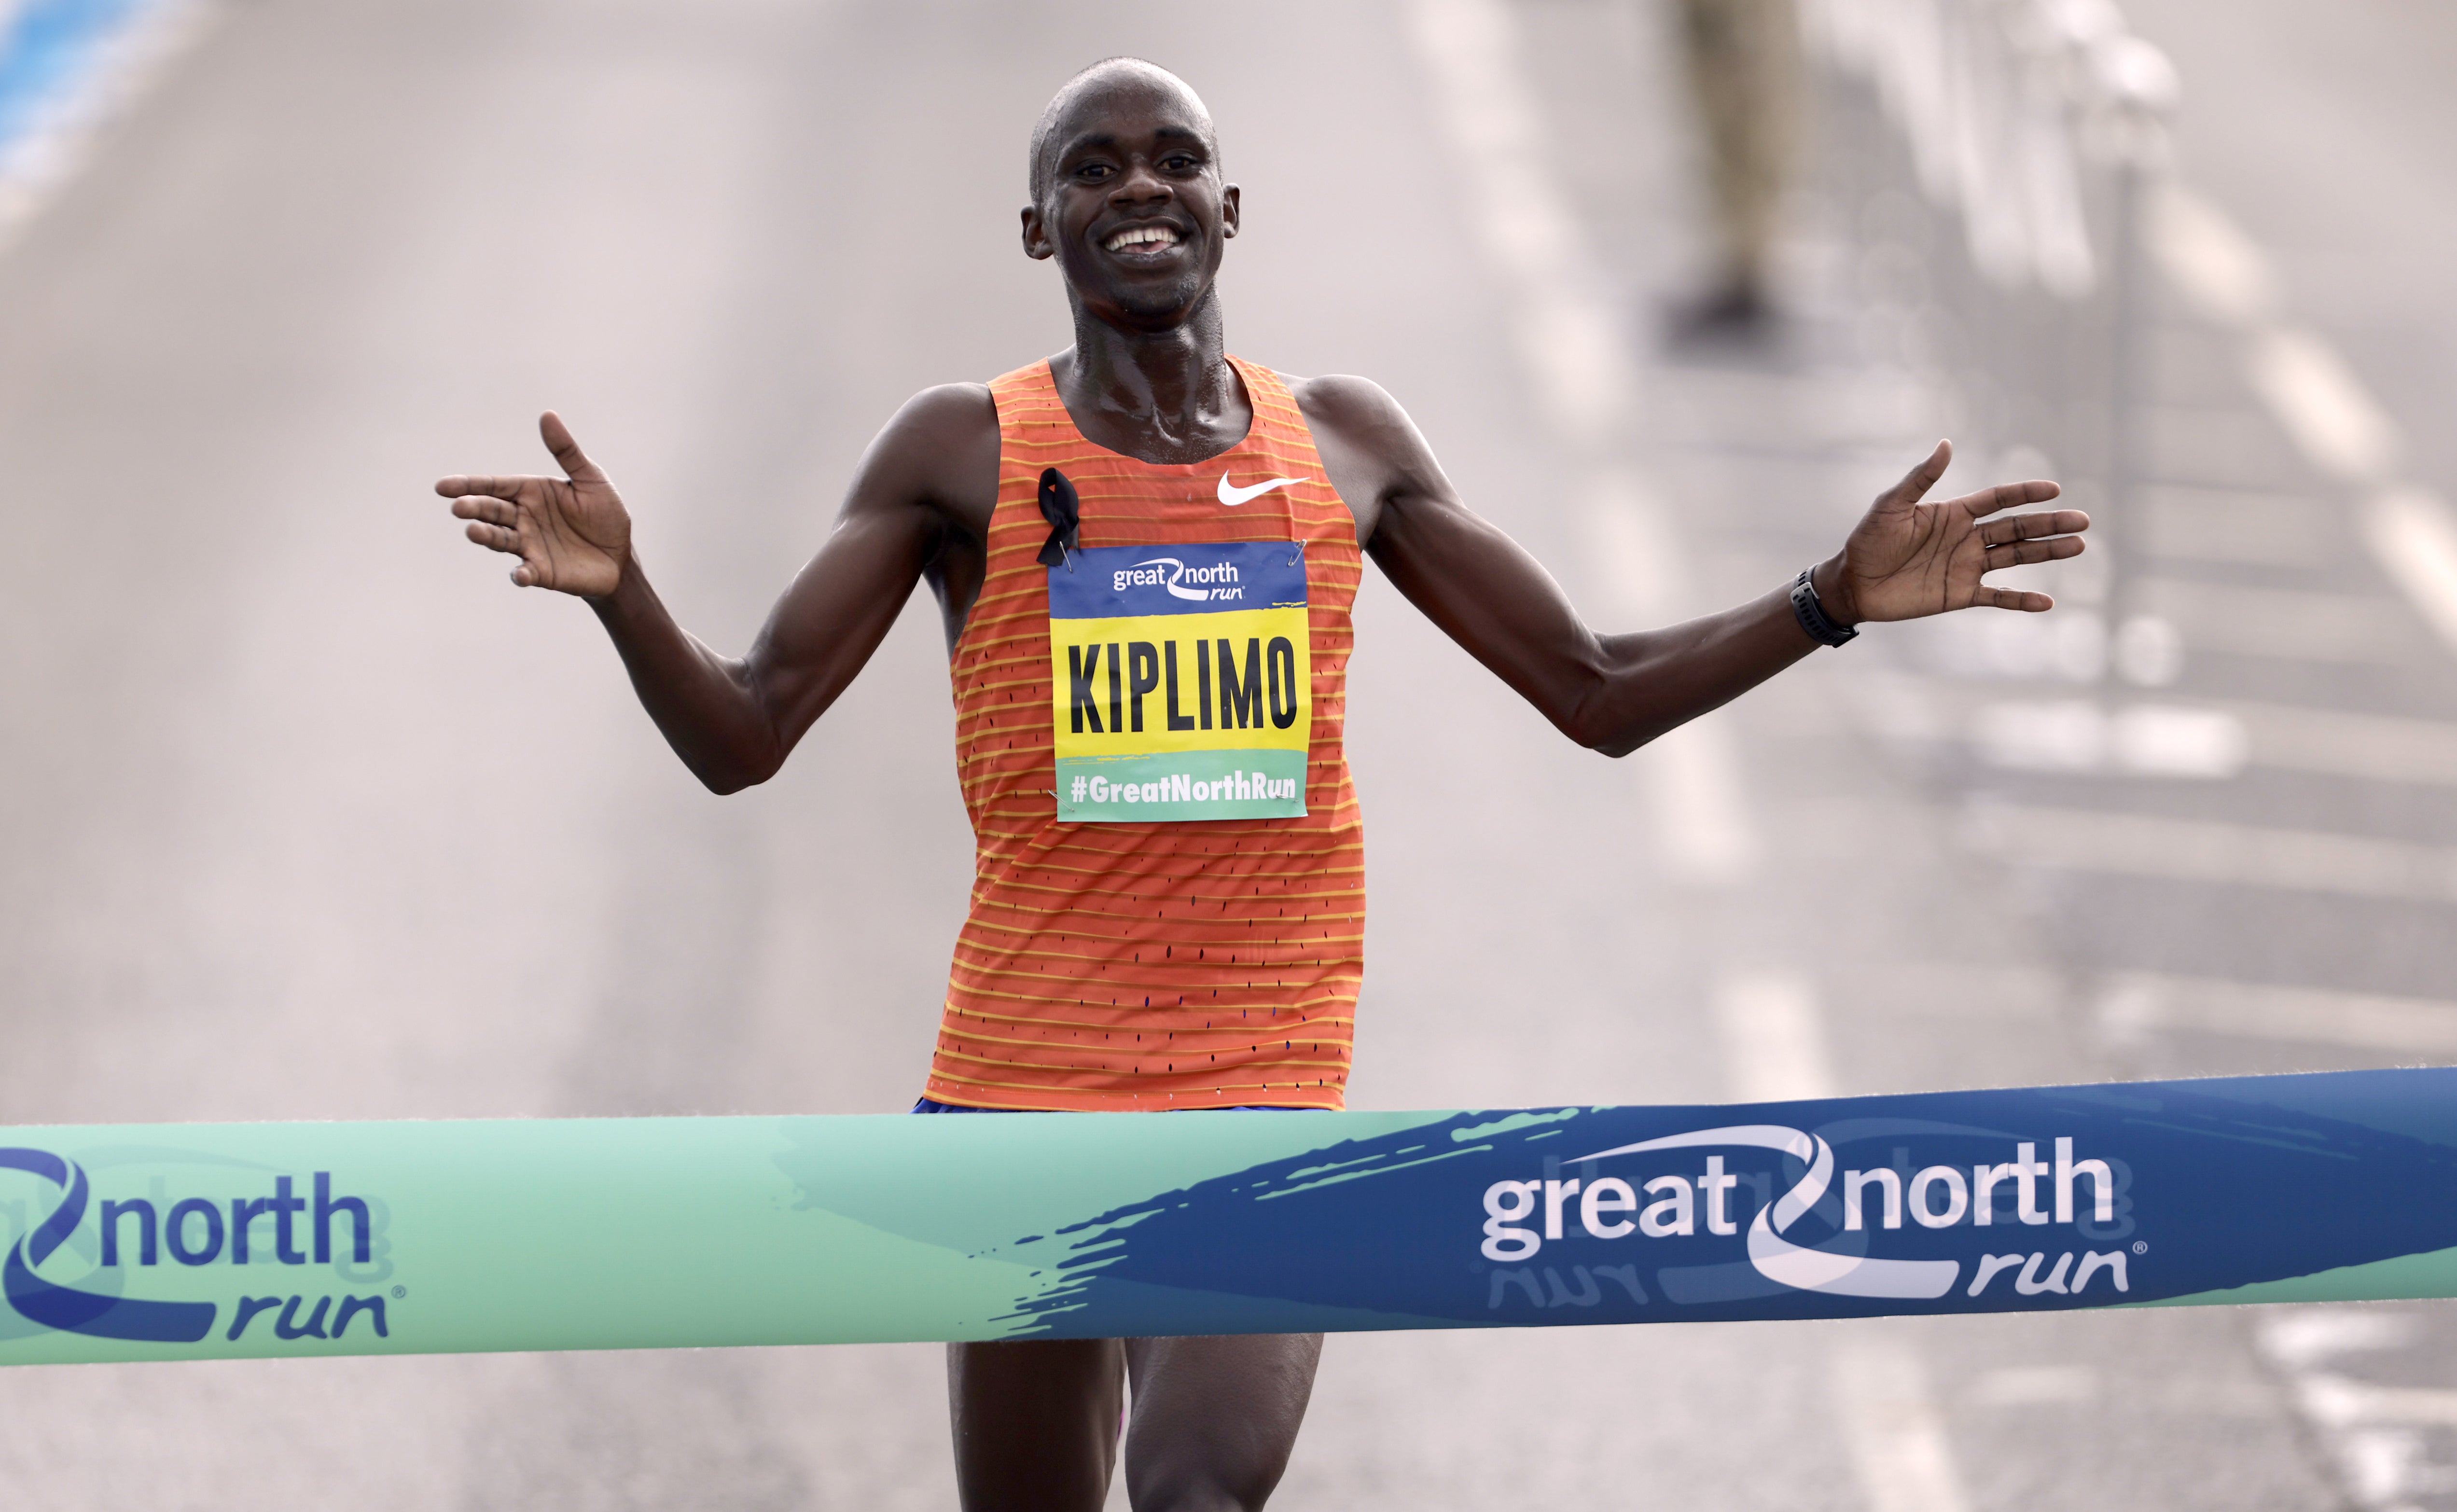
{"x":307,"y":815}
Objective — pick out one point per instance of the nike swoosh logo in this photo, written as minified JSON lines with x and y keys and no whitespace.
{"x":1234,"y":497}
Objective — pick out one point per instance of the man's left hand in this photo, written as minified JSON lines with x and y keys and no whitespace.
{"x":1905,"y":559}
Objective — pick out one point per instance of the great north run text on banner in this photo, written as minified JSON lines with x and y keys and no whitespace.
{"x":1180,"y":682}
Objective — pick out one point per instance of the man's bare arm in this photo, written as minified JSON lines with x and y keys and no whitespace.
{"x":919,"y":504}
{"x":1613,"y":693}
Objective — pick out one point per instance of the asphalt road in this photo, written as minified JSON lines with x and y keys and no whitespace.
{"x":309,"y":815}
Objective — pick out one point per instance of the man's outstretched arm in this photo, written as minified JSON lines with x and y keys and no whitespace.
{"x":925,"y":480}
{"x":1613,"y":693}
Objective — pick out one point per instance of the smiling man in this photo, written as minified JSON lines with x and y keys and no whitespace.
{"x":1144,"y":551}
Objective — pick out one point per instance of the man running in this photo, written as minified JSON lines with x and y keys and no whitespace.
{"x":1144,"y":552}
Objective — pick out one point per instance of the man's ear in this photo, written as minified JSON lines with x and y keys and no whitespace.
{"x":1228,"y":211}
{"x":1036,"y":237}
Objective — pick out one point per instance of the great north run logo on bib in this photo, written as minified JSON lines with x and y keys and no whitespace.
{"x":1180,"y":687}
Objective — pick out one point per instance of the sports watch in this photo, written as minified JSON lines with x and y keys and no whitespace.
{"x":1811,"y":613}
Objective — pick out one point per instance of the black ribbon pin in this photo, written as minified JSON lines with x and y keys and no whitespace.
{"x":1064,"y":513}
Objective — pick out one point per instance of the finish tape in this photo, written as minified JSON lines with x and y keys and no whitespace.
{"x":204,"y":1241}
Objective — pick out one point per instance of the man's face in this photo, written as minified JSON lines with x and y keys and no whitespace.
{"x":1134,"y":212}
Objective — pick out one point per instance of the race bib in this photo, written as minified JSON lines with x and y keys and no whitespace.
{"x":1180,"y":687}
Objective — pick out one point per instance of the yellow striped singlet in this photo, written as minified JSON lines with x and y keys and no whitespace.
{"x":1186,"y":962}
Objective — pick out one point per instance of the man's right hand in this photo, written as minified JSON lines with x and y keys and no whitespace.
{"x":571,"y":533}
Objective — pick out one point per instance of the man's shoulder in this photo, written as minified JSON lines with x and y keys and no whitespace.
{"x":1366,"y":443}
{"x":948,"y":421}
{"x":1357,"y":417}
{"x":943,"y":444}
{"x":1342,"y":400}
{"x":948,"y":411}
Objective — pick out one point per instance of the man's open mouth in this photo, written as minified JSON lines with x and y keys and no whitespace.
{"x":1141,"y":242}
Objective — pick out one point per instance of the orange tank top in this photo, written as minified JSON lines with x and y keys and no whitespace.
{"x":1112,"y":962}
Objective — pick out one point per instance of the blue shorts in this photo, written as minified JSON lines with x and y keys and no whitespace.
{"x":927,"y":1105}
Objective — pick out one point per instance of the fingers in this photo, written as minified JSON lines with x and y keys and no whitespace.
{"x":573,"y":460}
{"x":2014,"y":599}
{"x":495,"y":488}
{"x":495,"y":538}
{"x":2012,"y":495}
{"x":494,"y":511}
{"x":2020,"y":553}
{"x":1917,"y":482}
{"x":2031,"y":527}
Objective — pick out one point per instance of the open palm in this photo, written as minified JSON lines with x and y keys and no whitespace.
{"x":571,"y":533}
{"x":1907,"y":559}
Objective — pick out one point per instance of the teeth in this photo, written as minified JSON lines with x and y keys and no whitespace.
{"x":1142,"y":237}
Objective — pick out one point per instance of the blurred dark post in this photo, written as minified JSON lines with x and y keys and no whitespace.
{"x":1742,"y":59}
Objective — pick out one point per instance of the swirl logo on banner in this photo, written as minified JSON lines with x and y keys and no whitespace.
{"x":1791,"y":1265}
{"x":95,"y":1314}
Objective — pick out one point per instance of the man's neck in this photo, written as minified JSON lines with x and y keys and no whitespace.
{"x":1157,"y":396}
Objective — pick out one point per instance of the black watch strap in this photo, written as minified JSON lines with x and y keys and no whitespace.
{"x":1811,"y":613}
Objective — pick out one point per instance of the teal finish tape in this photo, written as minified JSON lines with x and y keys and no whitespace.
{"x":180,"y":1242}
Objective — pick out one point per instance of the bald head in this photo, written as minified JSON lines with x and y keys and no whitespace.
{"x":1111,"y":76}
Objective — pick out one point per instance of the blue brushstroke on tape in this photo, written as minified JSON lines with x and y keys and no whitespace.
{"x":2093,"y":1196}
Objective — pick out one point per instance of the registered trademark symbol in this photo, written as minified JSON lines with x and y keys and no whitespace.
{"x":2140,"y":1247}
{"x":400,"y":1292}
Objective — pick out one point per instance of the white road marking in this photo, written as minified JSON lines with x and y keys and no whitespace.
{"x":2411,"y":534}
{"x":2179,"y":523}
{"x":2306,"y":1335}
{"x":2223,"y":272}
{"x":2212,"y":741}
{"x":2367,"y":1427}
{"x":2165,"y":740}
{"x":48,"y":154}
{"x":1967,"y":990}
{"x":2034,"y":1386}
{"x":2140,"y":1003}
{"x":2340,"y":1400}
{"x":1567,"y":332}
{"x":2323,"y":406}
{"x":2075,"y":734}
{"x":1774,"y":1037}
{"x":2316,"y":396}
{"x":2385,"y":1467}
{"x":2067,"y":646}
{"x":1690,"y":780}
{"x":1696,"y":807}
{"x":2285,"y":737}
{"x":1638,"y":558}
{"x":2225,"y":276}
{"x":1898,"y":1437}
{"x":1570,"y":340}
{"x":2221,"y":855}
{"x":2375,"y":747}
{"x":2286,"y":624}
